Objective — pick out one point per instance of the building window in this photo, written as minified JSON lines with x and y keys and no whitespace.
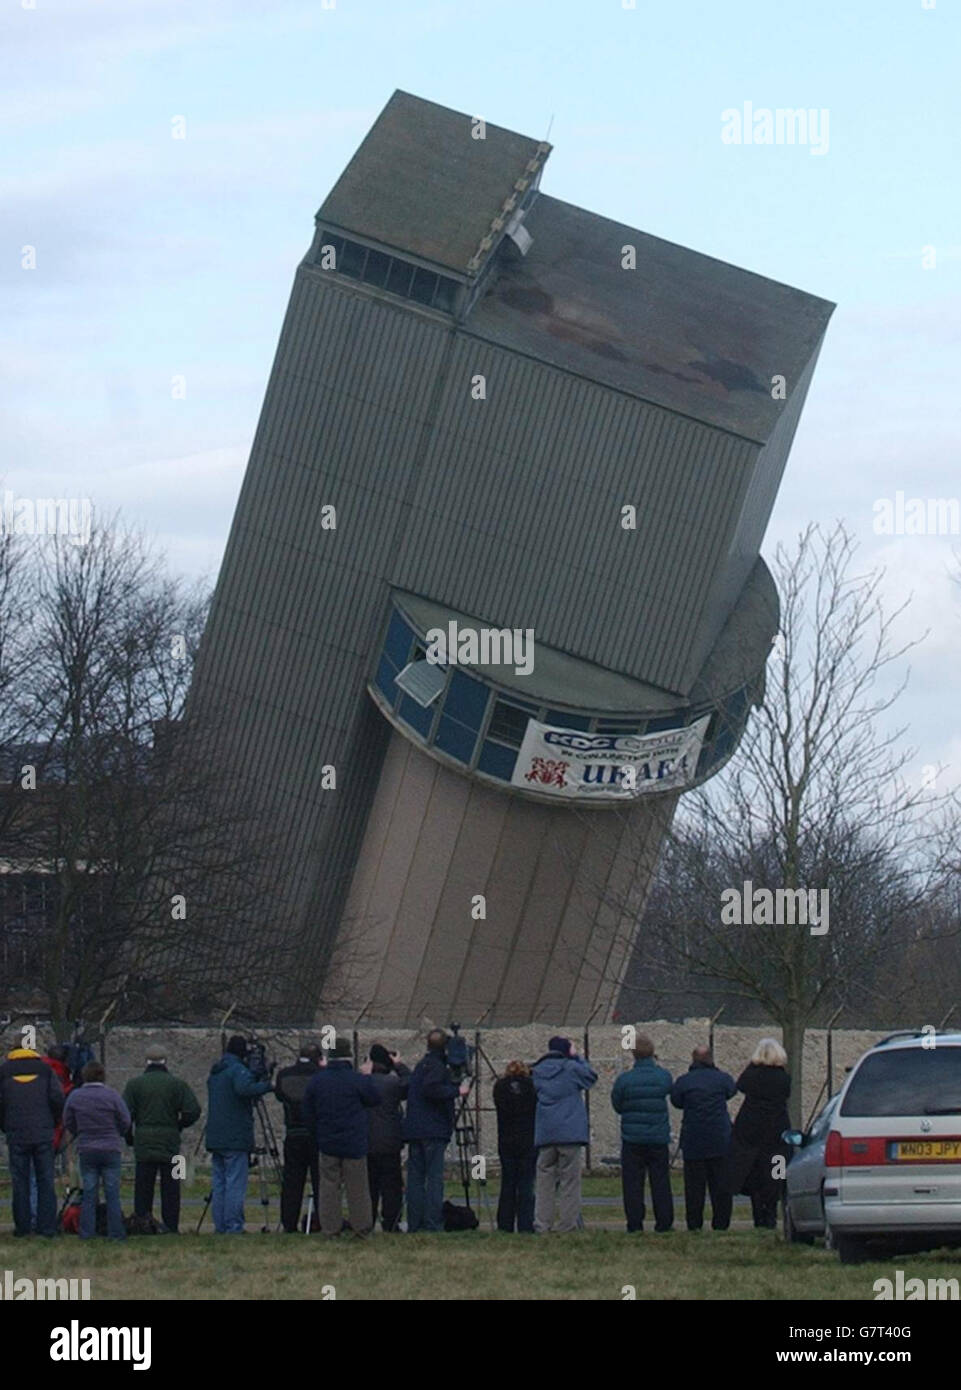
{"x":422,"y":680}
{"x":377,"y":269}
{"x":351,"y":262}
{"x":508,"y":724}
{"x":389,"y":273}
{"x":423,"y":286}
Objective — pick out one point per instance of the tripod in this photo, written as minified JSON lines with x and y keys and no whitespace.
{"x":266,"y":1149}
{"x":465,"y":1137}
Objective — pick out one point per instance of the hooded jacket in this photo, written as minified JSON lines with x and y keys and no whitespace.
{"x":640,"y":1098}
{"x":231,"y":1092}
{"x":702,"y":1093}
{"x":160,"y":1106}
{"x":334,"y":1109}
{"x":560,"y":1117}
{"x":31,"y":1098}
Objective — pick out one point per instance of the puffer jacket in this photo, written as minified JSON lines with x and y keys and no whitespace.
{"x":640,"y":1098}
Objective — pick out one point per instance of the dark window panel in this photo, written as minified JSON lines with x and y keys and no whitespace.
{"x":423,"y":286}
{"x":497,"y":761}
{"x":454,"y":739}
{"x":377,"y":269}
{"x":466,"y":700}
{"x":352,"y":261}
{"x":445,"y":295}
{"x":508,"y":724}
{"x":419,"y":718}
{"x":399,"y":278}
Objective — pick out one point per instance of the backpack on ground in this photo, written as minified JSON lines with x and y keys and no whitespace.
{"x":458,"y":1218}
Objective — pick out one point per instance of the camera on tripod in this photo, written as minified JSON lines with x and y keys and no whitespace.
{"x":256,"y":1059}
{"x":460,"y":1055}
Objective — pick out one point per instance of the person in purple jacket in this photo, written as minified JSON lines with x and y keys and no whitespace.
{"x":96,"y":1115}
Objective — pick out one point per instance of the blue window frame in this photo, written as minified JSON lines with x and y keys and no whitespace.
{"x":466,"y":700}
{"x":455,"y":739}
{"x":497,"y":761}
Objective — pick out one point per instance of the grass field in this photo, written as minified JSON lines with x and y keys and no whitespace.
{"x":595,"y":1263}
{"x":474,"y":1266}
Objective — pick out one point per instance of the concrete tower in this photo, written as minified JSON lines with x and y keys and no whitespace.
{"x":493,"y":598}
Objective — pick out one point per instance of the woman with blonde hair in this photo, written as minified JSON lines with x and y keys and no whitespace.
{"x":756,"y":1142}
{"x":515,"y":1101}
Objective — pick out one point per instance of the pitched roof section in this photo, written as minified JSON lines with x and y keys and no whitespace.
{"x":421,"y":184}
{"x":682,"y":330}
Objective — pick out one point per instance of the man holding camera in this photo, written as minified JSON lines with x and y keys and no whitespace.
{"x":300,"y":1145}
{"x":386,"y":1180}
{"x":334,"y":1110}
{"x":428,"y":1128}
{"x":231,"y":1092}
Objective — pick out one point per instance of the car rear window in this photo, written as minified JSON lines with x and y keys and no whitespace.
{"x":906,"y":1081}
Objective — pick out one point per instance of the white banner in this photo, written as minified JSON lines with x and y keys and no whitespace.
{"x":574,"y":763}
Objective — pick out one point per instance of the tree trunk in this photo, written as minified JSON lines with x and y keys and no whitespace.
{"x":793,"y":1028}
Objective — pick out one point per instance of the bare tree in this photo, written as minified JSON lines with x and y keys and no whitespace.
{"x":816,"y":800}
{"x":152,"y":885}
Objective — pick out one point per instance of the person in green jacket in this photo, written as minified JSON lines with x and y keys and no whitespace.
{"x":160,"y":1107}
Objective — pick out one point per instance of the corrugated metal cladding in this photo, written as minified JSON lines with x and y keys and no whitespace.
{"x":516,"y":513}
{"x":298,"y":608}
{"x":507,"y":508}
{"x":553,"y":941}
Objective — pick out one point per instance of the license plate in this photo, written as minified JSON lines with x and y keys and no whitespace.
{"x":927,"y":1151}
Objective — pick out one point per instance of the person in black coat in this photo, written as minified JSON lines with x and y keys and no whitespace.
{"x":384,"y":1175}
{"x":702,"y":1093}
{"x":761,"y":1120}
{"x":300,"y":1146}
{"x":515,"y":1101}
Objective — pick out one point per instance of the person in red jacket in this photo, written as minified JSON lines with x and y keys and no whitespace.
{"x":56,"y":1060}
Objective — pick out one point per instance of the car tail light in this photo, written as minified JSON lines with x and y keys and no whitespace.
{"x":832,"y":1150}
{"x":861,"y":1151}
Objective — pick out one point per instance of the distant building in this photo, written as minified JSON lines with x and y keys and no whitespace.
{"x":492,"y":409}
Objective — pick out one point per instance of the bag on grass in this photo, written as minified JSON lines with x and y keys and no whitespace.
{"x":458,"y":1218}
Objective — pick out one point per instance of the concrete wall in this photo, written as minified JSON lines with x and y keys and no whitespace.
{"x":551,"y":943}
{"x":191,"y":1052}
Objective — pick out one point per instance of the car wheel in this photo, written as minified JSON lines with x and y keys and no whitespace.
{"x":791,"y":1232}
{"x":852,"y":1250}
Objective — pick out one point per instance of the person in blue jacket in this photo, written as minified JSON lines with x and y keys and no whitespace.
{"x":703,"y":1093}
{"x":428,"y":1126}
{"x":229,"y":1134}
{"x":560,"y":1133}
{"x":640,"y":1098}
{"x":334,"y":1110}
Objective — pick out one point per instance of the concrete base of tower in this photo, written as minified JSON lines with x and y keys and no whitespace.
{"x":472,"y":904}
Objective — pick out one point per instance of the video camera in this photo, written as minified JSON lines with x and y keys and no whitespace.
{"x":256,"y":1060}
{"x":460,"y":1055}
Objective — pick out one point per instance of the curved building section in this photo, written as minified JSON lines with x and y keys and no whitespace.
{"x":492,"y":415}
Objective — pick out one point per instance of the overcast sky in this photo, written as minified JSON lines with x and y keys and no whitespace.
{"x":159,"y":257}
